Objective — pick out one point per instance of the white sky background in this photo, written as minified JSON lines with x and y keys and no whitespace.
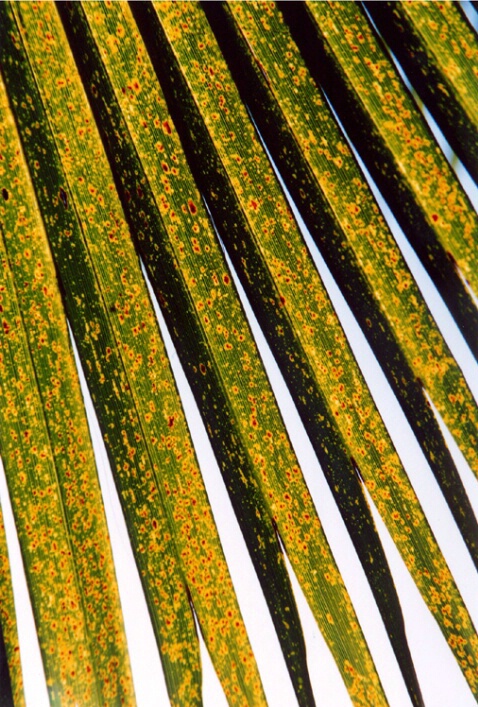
{"x":440,"y":678}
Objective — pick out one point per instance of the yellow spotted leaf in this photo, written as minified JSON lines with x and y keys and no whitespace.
{"x":48,"y":459}
{"x":380,"y":116}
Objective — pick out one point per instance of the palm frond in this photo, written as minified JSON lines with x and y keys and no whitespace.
{"x":346,"y":56}
{"x":135,"y":148}
{"x":49,"y":462}
{"x":437,"y":50}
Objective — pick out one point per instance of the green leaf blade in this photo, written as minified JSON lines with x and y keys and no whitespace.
{"x":11,"y":676}
{"x":203,"y":266}
{"x":102,"y":221}
{"x":346,"y":224}
{"x":276,"y":271}
{"x":169,"y":519}
{"x":437,"y":48}
{"x":261,"y":290}
{"x":397,"y":147}
{"x":49,"y":462}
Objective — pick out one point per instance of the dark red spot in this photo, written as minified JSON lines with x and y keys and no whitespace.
{"x":202,"y":368}
{"x":254,"y":204}
{"x":435,"y":217}
{"x":226,"y":279}
{"x":167,"y":127}
{"x":282,"y":300}
{"x":192,"y":207}
{"x":171,"y":421}
{"x":139,"y":191}
{"x":5,"y":194}
{"x":165,"y":167}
